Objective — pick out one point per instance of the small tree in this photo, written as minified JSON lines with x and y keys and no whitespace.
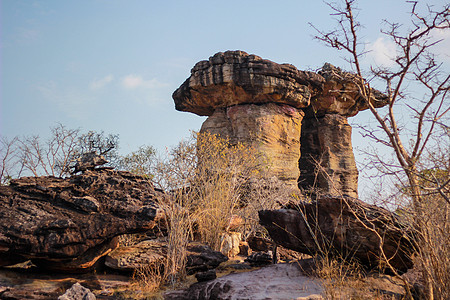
{"x":100,"y":143}
{"x":416,"y":69}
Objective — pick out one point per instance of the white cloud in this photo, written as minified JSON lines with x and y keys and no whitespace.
{"x":381,"y":52}
{"x":135,"y":81}
{"x":442,"y":48}
{"x":99,"y":83}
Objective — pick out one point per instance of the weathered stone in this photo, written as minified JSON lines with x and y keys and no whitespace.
{"x":274,"y":131}
{"x":88,"y":161}
{"x":260,"y":258}
{"x":235,"y":77}
{"x":229,"y":244}
{"x":206,"y":276}
{"x":131,"y":258}
{"x":280,"y":281}
{"x":339,"y":94}
{"x":77,"y":292}
{"x":343,"y":226}
{"x":257,"y":243}
{"x":201,"y":258}
{"x":327,"y":164}
{"x":67,"y":224}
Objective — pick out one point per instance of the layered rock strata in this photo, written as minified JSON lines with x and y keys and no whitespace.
{"x":257,"y":101}
{"x":68,"y":224}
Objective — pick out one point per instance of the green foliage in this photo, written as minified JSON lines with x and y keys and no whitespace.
{"x":140,"y":162}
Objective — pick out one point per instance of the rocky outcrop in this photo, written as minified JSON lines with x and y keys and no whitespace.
{"x":257,"y":101}
{"x":328,"y":165}
{"x":67,"y":224}
{"x":345,"y":227}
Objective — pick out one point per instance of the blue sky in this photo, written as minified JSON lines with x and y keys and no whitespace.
{"x":112,"y":65}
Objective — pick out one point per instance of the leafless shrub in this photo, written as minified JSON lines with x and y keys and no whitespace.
{"x":51,"y":157}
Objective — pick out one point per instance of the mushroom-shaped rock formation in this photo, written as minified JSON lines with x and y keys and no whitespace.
{"x":67,"y":224}
{"x":253,"y":100}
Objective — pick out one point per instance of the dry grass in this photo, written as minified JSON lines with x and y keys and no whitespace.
{"x":339,"y":278}
{"x":148,"y":278}
{"x":347,"y":280}
{"x":207,"y":176}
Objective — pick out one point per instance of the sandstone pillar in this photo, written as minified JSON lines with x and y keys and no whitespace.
{"x":328,"y":165}
{"x":274,"y":130}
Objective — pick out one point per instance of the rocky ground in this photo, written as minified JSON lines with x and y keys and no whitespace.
{"x":237,"y":279}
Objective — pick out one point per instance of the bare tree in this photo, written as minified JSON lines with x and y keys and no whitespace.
{"x":8,"y":159}
{"x":415,"y":69}
{"x":100,"y":143}
{"x":50,"y":157}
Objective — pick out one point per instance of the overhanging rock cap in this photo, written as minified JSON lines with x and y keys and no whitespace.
{"x":235,"y":77}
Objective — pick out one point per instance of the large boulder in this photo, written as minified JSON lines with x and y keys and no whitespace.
{"x":345,"y":227}
{"x":67,"y":224}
